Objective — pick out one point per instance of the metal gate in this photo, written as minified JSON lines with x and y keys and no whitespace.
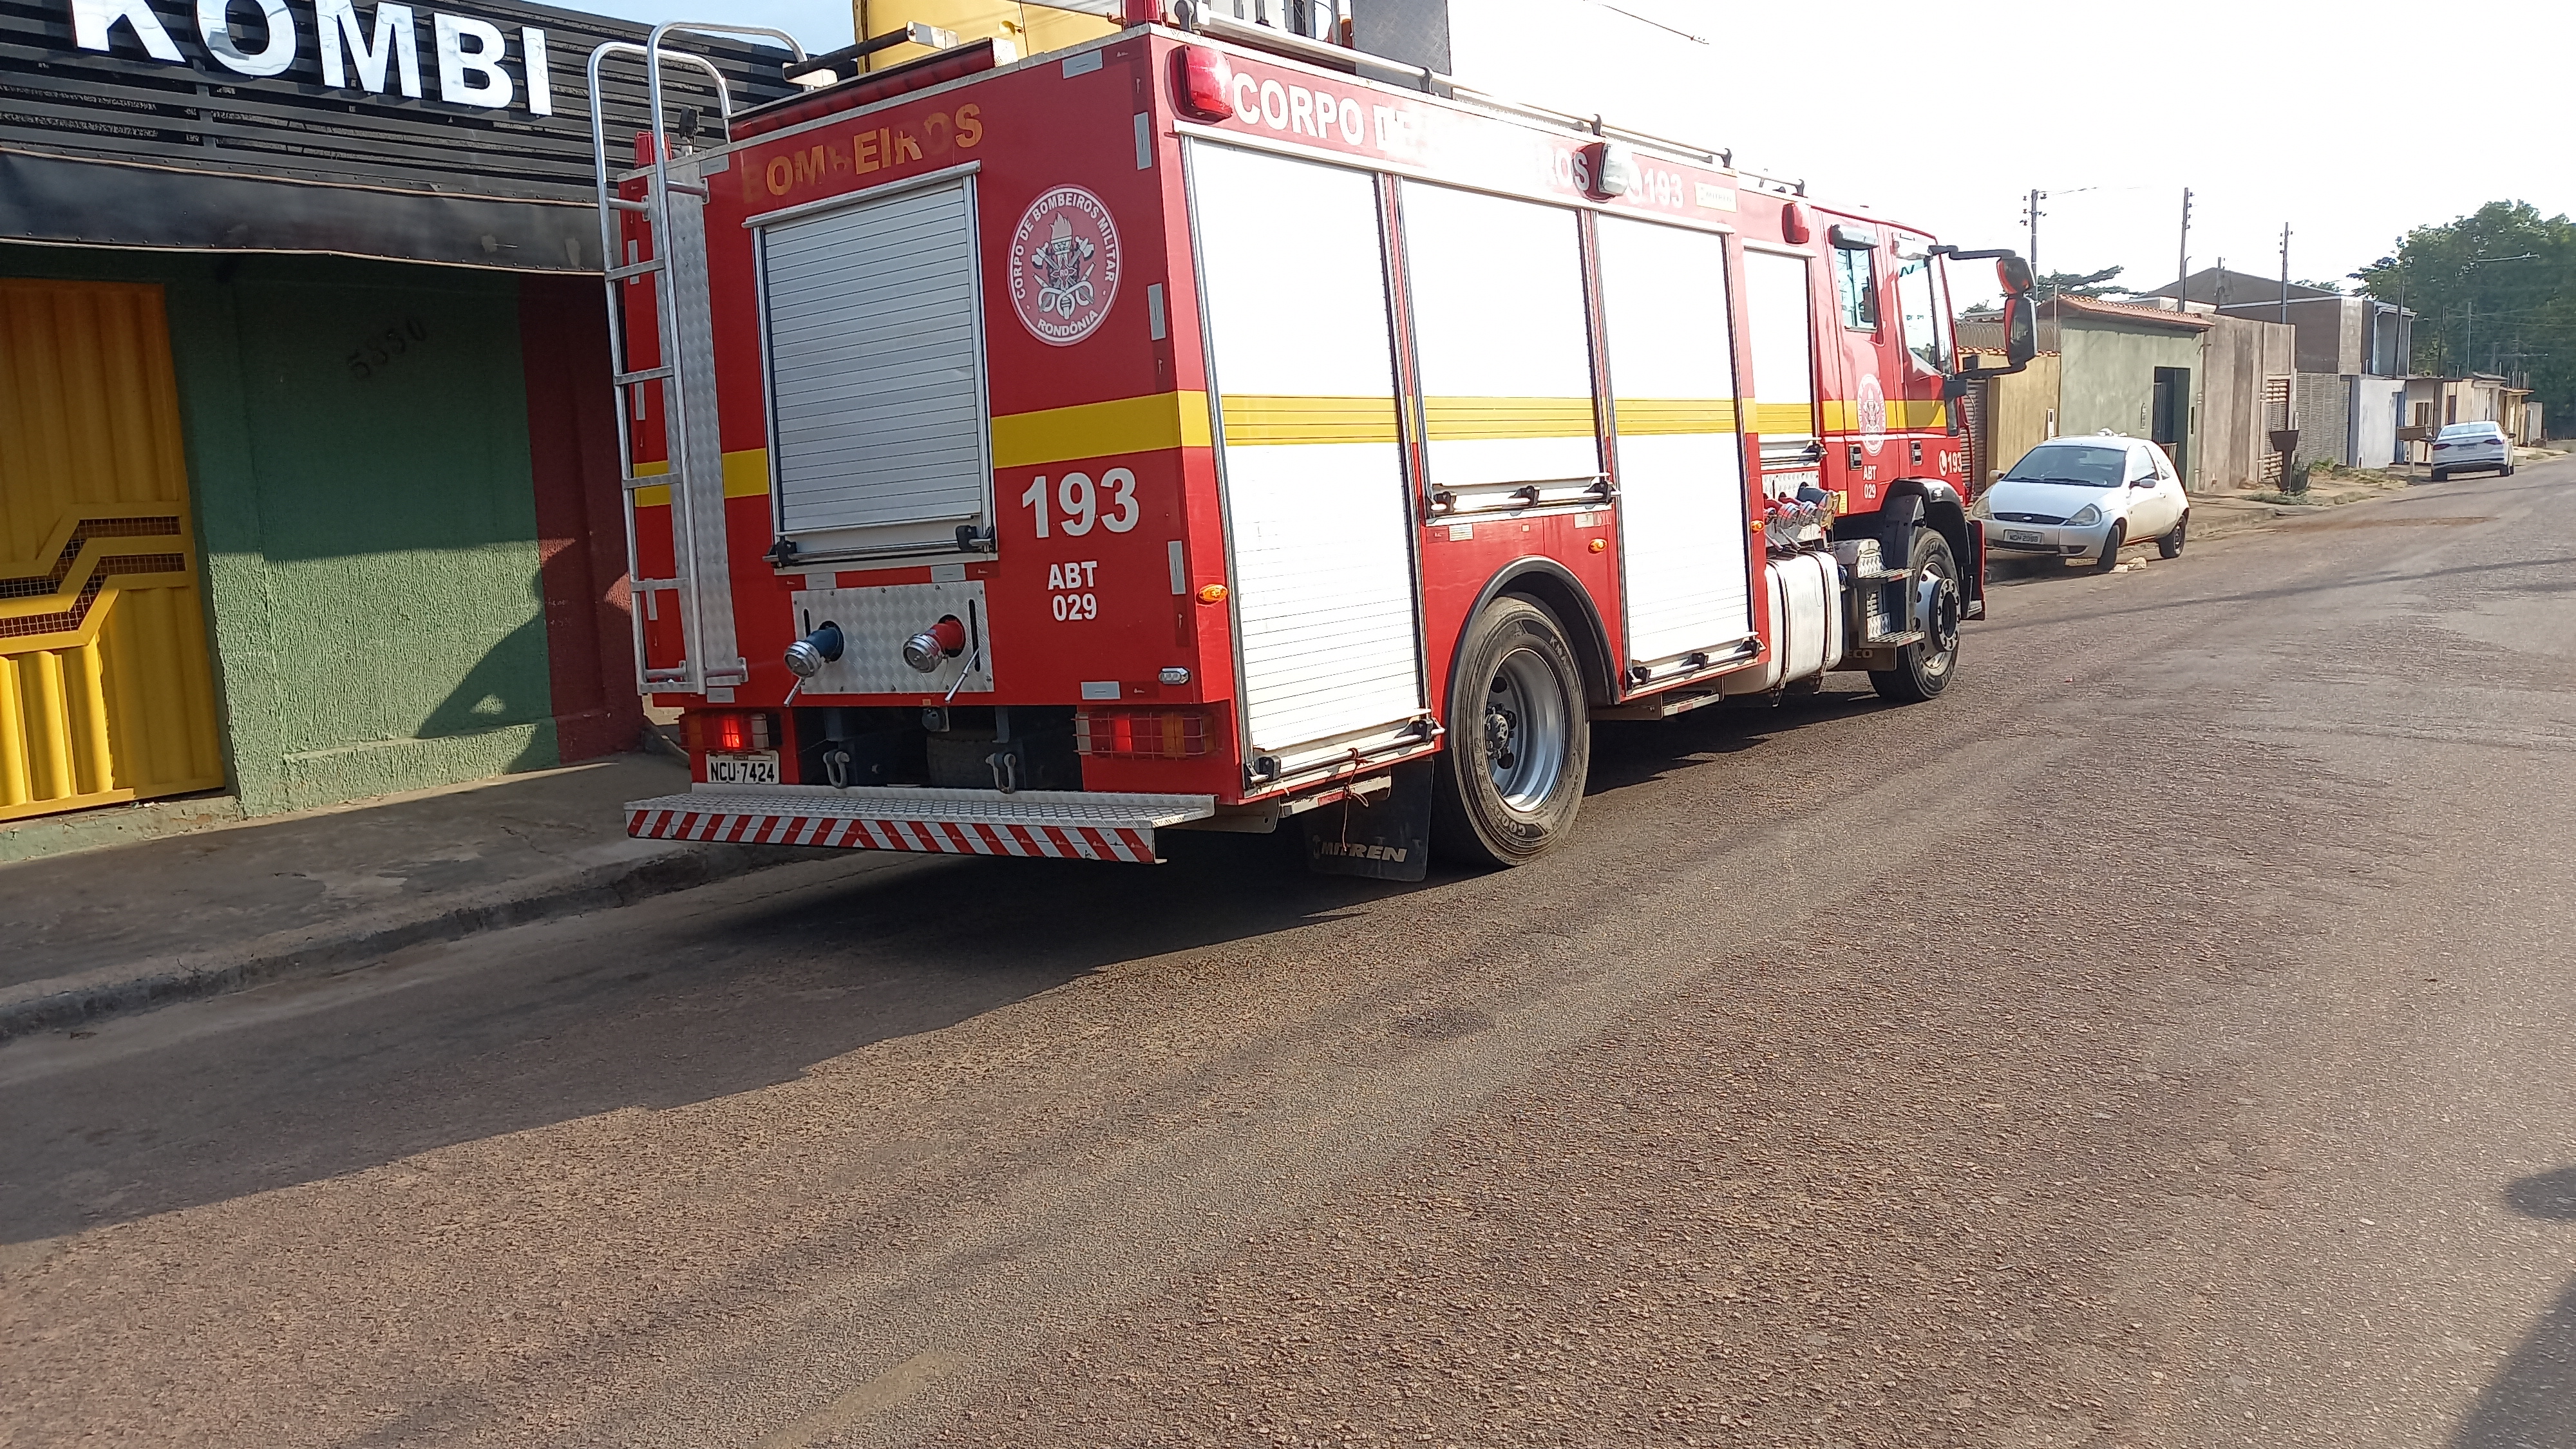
{"x":106,"y":693}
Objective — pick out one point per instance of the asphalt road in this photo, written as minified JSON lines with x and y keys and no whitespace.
{"x":2165,"y":1039}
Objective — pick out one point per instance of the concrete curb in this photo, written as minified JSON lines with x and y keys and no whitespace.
{"x":61,"y":1002}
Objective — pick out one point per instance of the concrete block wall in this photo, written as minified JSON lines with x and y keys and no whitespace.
{"x":2321,"y":404}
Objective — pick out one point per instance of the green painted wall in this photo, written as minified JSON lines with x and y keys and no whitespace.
{"x":370,"y":540}
{"x":2107,"y":379}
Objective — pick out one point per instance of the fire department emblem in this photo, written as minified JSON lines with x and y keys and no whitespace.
{"x":1872,"y":415}
{"x":1064,"y":266}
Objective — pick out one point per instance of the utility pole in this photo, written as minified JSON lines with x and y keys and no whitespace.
{"x":2182,"y":260}
{"x":2032,"y":217}
{"x":2285,"y":273}
{"x":2469,"y":334}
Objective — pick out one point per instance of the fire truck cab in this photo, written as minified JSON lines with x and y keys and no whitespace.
{"x":1209,"y":427}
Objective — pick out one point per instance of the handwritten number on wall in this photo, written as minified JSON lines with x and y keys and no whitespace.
{"x":379,"y":351}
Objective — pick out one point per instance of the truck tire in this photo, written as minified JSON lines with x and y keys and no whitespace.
{"x":1510,"y":777}
{"x":1923,"y":668}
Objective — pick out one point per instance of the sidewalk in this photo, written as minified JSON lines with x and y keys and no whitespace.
{"x":134,"y":926}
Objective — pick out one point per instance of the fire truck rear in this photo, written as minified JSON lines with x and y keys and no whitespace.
{"x":1214,"y":428}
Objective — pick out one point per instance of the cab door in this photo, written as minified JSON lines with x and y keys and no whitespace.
{"x":1917,"y":411}
{"x":1863,"y":359}
{"x":2155,"y":514}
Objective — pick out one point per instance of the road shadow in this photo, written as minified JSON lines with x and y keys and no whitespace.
{"x":652,"y":1007}
{"x":673,"y":1002}
{"x":1627,"y":753}
{"x":2531,"y":1403}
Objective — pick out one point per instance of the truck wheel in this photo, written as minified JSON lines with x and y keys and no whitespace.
{"x":1923,"y":668}
{"x":1511,"y":776}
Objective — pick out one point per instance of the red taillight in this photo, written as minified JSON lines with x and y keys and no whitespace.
{"x":729,"y":731}
{"x":1202,"y":84}
{"x":1146,"y":734}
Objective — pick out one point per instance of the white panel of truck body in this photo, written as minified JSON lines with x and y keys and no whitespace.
{"x":1502,"y":337}
{"x":1683,"y":556}
{"x":1783,"y":352}
{"x":873,"y":319}
{"x":1320,"y":525}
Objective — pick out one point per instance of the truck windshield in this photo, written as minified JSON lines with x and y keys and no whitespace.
{"x":2086,"y":465}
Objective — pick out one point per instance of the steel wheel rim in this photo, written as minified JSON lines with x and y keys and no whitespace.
{"x":1527,"y":730}
{"x":1938,"y":602}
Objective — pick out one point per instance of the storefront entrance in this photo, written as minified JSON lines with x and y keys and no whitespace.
{"x":106,"y":693}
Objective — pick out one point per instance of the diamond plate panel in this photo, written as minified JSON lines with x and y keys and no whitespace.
{"x":875,"y":622}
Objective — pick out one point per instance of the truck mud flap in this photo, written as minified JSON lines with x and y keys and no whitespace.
{"x":1385,"y":835}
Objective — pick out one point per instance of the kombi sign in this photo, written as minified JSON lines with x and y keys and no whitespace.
{"x":375,"y":52}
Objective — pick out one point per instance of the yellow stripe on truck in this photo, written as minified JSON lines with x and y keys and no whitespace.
{"x":1902,"y":416}
{"x":1665,"y":417}
{"x":1458,"y":419}
{"x":1162,"y":421}
{"x":1256,"y":421}
{"x":746,"y":475}
{"x":1784,"y":419}
{"x":1149,"y":424}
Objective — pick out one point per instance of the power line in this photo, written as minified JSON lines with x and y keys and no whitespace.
{"x":1644,"y":20}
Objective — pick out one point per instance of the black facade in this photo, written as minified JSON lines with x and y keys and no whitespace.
{"x":432,"y":132}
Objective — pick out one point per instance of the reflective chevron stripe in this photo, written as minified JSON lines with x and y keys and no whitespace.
{"x":926,"y":837}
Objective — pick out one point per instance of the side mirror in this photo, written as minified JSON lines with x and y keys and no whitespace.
{"x":2012,"y":273}
{"x":2148,"y":481}
{"x":2021,"y":328}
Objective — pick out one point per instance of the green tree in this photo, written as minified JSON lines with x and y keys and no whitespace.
{"x":2083,"y":284}
{"x":2494,"y":290}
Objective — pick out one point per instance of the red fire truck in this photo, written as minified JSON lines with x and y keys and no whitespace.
{"x":1216,"y":428}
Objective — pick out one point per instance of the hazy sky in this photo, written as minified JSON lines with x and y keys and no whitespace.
{"x":2350,"y":122}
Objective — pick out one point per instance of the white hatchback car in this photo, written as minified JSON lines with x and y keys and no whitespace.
{"x":2086,"y":498}
{"x":2472,"y":448}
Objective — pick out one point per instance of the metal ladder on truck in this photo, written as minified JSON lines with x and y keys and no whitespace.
{"x":673,"y":253}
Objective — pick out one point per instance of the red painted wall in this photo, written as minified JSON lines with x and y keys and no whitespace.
{"x":581,"y":528}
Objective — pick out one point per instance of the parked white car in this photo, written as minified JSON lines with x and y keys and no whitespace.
{"x":2086,"y":498}
{"x":2472,"y":448}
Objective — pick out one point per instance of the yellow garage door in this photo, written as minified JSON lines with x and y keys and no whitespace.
{"x":105,"y":691}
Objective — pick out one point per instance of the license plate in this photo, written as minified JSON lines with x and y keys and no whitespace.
{"x":756,"y":769}
{"x":2020,"y":535}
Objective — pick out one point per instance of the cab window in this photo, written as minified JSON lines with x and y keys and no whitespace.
{"x":1856,"y":283}
{"x":1925,"y":321}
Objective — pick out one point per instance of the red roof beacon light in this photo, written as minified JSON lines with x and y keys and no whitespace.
{"x":1607,"y":171}
{"x":1202,"y":84}
{"x":1796,"y":226}
{"x":1143,"y":12}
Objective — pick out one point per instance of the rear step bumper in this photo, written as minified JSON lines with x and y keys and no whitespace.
{"x":1056,"y":824}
